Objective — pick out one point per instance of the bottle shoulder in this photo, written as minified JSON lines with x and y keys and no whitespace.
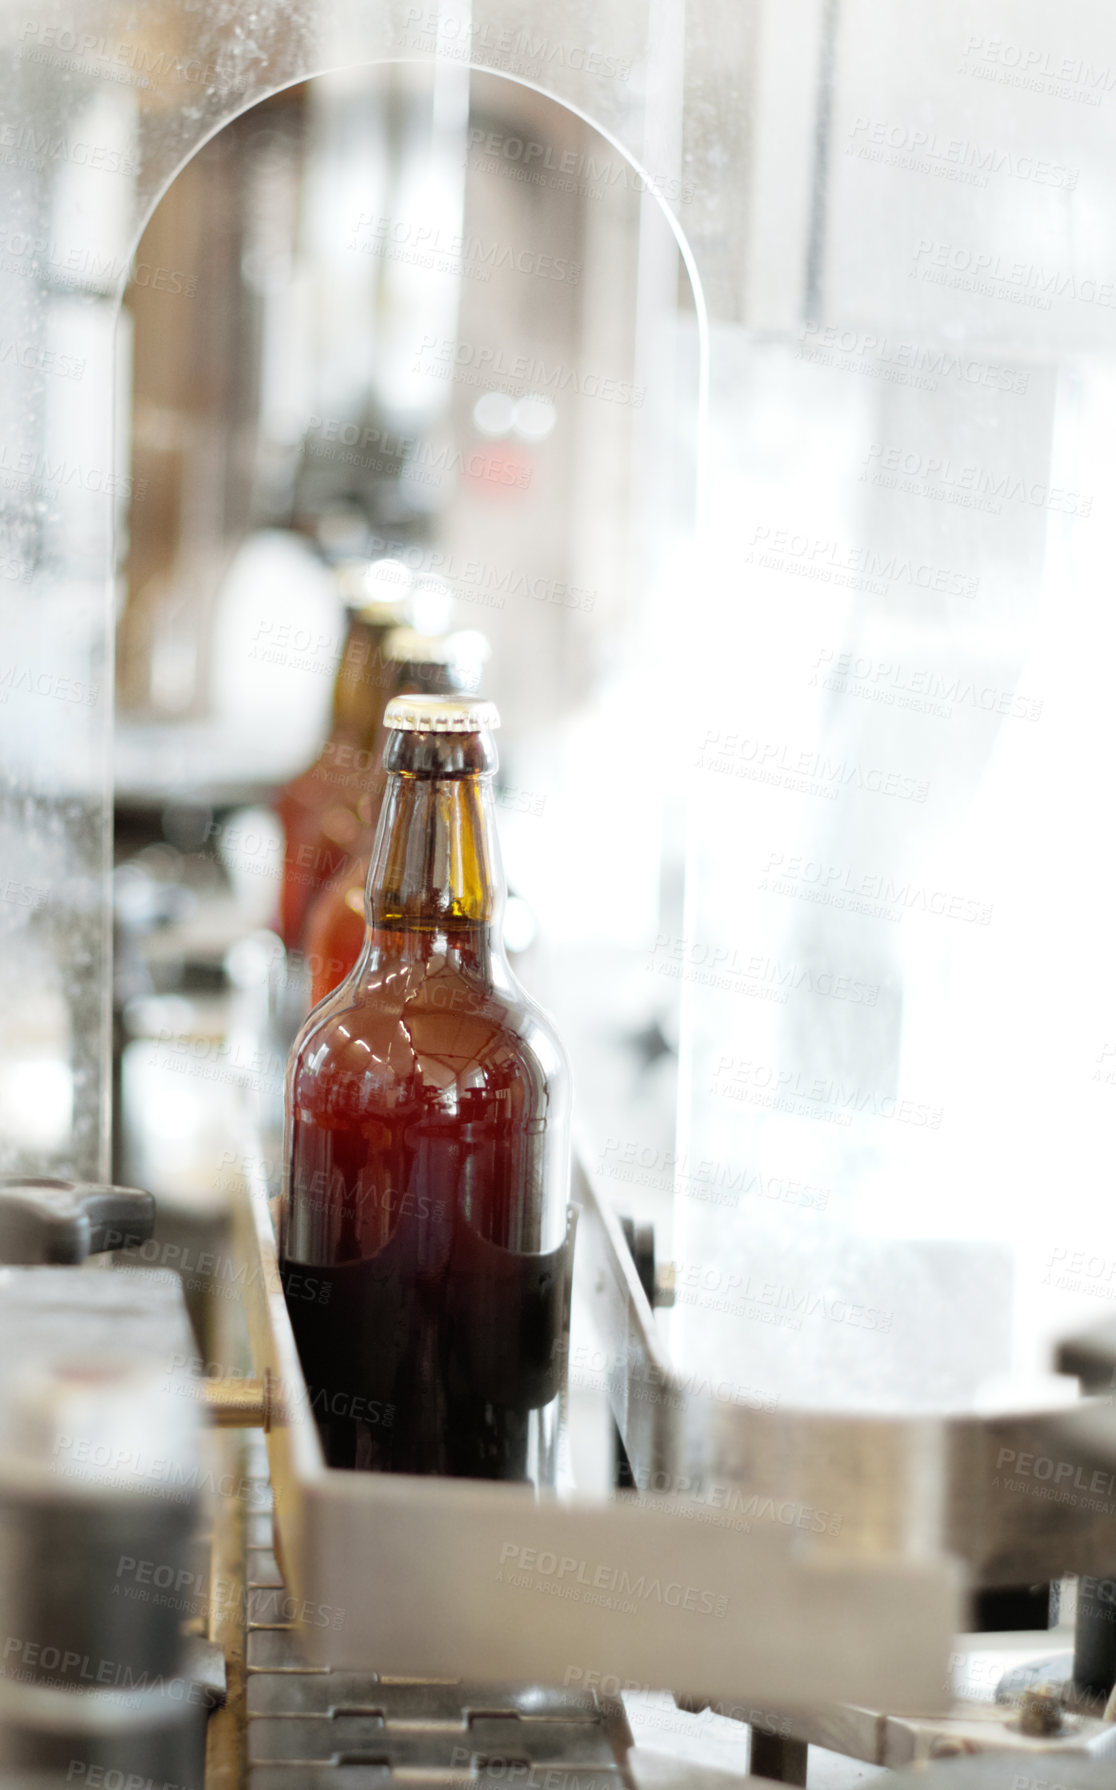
{"x":397,"y":1022}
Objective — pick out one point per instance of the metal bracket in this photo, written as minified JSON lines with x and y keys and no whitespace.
{"x":1017,"y":1497}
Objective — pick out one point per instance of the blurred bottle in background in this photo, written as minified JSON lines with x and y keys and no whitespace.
{"x":320,"y":809}
{"x":417,"y":664}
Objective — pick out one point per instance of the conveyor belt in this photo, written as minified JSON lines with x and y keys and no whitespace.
{"x":316,"y":1728}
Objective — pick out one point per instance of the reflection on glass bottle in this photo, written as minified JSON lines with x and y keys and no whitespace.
{"x":423,"y":1229}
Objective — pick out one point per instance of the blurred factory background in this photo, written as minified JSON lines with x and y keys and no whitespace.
{"x":733,"y":385}
{"x":773,"y":469}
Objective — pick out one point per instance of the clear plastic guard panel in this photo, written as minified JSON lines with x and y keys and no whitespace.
{"x":884,"y":702}
{"x":104,"y":105}
{"x":896,"y":963}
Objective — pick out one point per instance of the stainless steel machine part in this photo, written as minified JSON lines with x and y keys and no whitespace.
{"x":868,"y":1516}
{"x":1001,"y":1773}
{"x":1016,"y":1497}
{"x":45,"y":1219}
{"x":311,"y":1725}
{"x":558,"y":1589}
{"x":101,"y":1484}
{"x":881,"y":1737}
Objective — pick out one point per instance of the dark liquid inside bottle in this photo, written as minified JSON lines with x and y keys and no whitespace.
{"x":424,"y":1248}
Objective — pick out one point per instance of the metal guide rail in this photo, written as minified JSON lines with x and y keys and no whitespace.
{"x":310,"y":1727}
{"x":533,"y":1587}
{"x":1016,"y":1497}
{"x":553,"y":1589}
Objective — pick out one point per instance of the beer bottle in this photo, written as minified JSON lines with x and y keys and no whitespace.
{"x":423,"y":1221}
{"x":418,"y":664}
{"x":319,"y":808}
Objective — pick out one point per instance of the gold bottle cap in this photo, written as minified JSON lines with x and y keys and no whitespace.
{"x":441,"y":714}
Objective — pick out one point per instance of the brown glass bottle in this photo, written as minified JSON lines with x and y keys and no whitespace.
{"x":320,"y":809}
{"x":423,"y":1223}
{"x":420,"y":665}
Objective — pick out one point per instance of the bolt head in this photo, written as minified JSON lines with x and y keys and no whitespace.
{"x":1040,"y":1711}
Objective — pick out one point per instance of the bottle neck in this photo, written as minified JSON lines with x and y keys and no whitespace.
{"x":362,"y":687}
{"x":412,"y":677}
{"x":435,"y":882}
